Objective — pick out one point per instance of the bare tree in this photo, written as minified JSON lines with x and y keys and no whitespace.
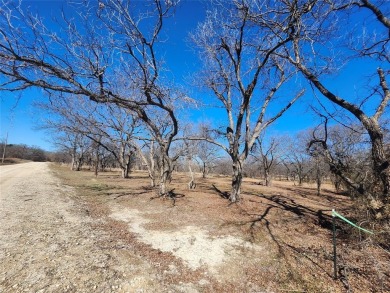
{"x":267,"y":153}
{"x":149,"y":159}
{"x":207,"y":156}
{"x":296,"y":157}
{"x":345,"y":151}
{"x":105,"y":52}
{"x":314,"y":29}
{"x":320,"y":163}
{"x":206,"y":153}
{"x":287,"y":169}
{"x":109,"y":128}
{"x":244,"y":75}
{"x":4,"y":143}
{"x":190,"y":149}
{"x":77,"y":145}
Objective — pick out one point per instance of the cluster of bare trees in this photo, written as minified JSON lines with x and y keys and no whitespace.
{"x":101,"y":135}
{"x":106,"y":54}
{"x":299,"y":159}
{"x":104,"y":73}
{"x":24,"y":152}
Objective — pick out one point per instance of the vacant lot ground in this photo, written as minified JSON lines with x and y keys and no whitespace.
{"x":107,"y":234}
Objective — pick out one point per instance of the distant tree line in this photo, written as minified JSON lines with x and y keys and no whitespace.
{"x":25,"y":152}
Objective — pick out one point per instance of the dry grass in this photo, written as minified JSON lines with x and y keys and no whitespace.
{"x":12,"y":161}
{"x":290,"y":223}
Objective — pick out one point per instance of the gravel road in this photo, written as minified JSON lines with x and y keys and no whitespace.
{"x":47,"y":242}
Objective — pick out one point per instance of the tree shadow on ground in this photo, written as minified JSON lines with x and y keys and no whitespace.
{"x":283,"y":248}
{"x":223,"y":194}
{"x":308,"y":193}
{"x":285,"y":203}
{"x":171,"y":194}
{"x":132,"y":194}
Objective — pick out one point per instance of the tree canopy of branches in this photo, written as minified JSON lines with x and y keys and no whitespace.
{"x":108,"y":127}
{"x":315,"y":48}
{"x":106,"y":52}
{"x":268,"y":153}
{"x":245,"y":75}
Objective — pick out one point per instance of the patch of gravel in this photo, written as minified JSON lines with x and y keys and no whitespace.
{"x":191,"y":244}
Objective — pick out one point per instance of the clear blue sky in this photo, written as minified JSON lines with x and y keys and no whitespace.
{"x":20,"y":119}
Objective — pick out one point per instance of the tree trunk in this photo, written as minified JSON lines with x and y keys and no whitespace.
{"x":152,"y":181}
{"x":266,"y":169}
{"x":79,"y":163}
{"x":125,"y":171}
{"x":165,"y":173}
{"x":152,"y":167}
{"x":204,"y":170}
{"x":337,"y":183}
{"x":76,"y":163}
{"x":4,"y":148}
{"x":73,"y":164}
{"x":163,"y":183}
{"x":300,"y":176}
{"x":267,"y":178}
{"x":318,"y":180}
{"x":381,"y":162}
{"x":191,"y":184}
{"x":127,"y":167}
{"x":123,"y":162}
{"x":97,"y":161}
{"x":236,"y":181}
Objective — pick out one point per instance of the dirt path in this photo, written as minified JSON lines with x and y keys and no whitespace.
{"x":47,"y":243}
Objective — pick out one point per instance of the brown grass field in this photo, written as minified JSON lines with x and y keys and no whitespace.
{"x":276,"y":239}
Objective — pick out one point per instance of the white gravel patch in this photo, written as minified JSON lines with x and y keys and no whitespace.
{"x":191,"y":244}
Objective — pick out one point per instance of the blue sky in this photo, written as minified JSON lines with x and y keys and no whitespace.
{"x":20,"y":119}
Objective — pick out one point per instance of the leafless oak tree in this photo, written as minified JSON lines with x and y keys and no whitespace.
{"x":206,"y":156}
{"x":267,"y":153}
{"x":296,"y":156}
{"x":344,"y":150}
{"x":205,"y":153}
{"x":244,"y":75}
{"x":76,"y":145}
